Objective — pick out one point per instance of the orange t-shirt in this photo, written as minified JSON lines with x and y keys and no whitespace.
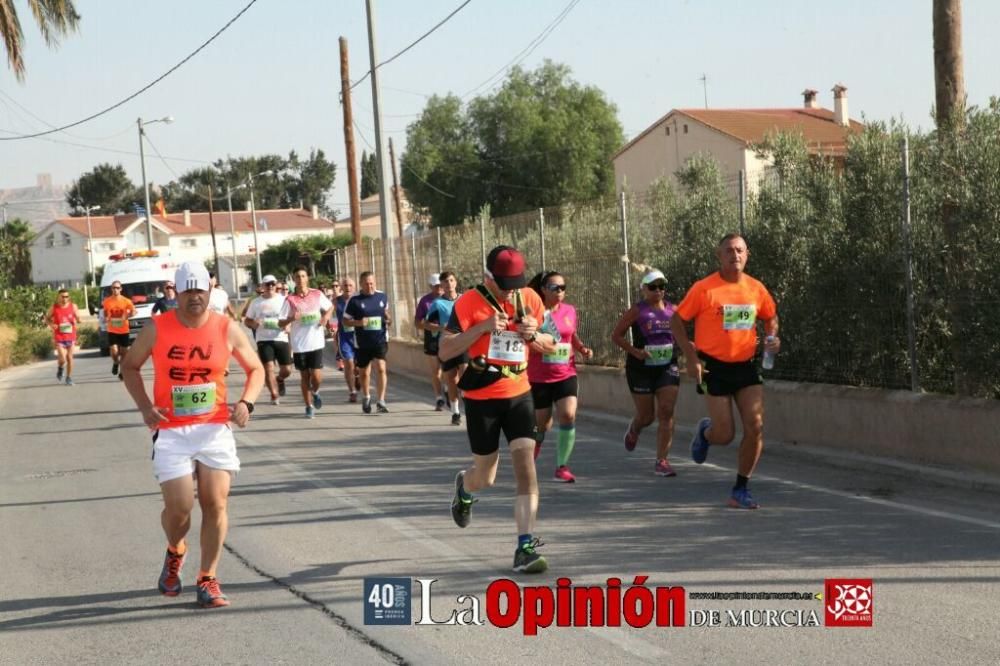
{"x":725,"y":315}
{"x":189,"y":370}
{"x":117,"y":310}
{"x":470,"y":309}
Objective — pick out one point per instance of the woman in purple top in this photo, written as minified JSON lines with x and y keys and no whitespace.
{"x":553,"y":373}
{"x":651,"y":367}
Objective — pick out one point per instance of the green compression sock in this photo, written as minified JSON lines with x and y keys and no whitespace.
{"x":567,"y":438}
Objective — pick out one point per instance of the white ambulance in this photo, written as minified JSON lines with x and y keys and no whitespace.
{"x":142,"y":275}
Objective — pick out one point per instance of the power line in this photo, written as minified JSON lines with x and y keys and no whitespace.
{"x":529,"y":49}
{"x":141,"y":90}
{"x":417,"y":41}
{"x":110,"y":150}
{"x":48,"y":124}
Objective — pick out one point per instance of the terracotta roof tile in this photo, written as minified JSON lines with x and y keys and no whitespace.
{"x":108,"y":226}
{"x":751,"y":125}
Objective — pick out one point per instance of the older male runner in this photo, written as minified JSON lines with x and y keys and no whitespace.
{"x":190,"y":417}
{"x":725,"y":307}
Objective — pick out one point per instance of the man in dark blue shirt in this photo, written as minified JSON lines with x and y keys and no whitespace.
{"x":168,"y":302}
{"x":368,"y":314}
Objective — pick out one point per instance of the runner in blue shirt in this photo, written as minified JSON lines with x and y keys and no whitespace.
{"x":368,"y":314}
{"x":438,"y":315}
{"x":345,"y":338}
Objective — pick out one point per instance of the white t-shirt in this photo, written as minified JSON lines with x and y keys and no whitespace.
{"x":267,"y":311}
{"x":218,"y":300}
{"x":307,"y":334}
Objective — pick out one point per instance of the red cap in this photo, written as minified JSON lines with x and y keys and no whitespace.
{"x":506,"y":265}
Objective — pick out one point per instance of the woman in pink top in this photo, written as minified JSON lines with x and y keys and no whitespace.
{"x":553,"y":374}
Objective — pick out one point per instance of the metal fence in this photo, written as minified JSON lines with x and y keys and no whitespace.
{"x":850,"y":327}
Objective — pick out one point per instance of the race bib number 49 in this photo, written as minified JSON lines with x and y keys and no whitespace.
{"x":507,"y":346}
{"x":193,"y":399}
{"x":738,"y":317}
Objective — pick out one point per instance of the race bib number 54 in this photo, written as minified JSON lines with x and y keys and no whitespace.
{"x":739,"y":317}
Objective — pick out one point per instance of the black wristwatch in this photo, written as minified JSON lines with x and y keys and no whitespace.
{"x":532,"y":338}
{"x":249,"y":406}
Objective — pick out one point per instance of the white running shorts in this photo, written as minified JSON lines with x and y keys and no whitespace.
{"x":176,"y":450}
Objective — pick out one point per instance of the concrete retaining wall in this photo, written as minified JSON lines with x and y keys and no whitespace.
{"x":909,"y":427}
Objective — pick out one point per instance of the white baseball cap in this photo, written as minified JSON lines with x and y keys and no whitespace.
{"x":652,"y":276}
{"x":268,"y":278}
{"x":434,"y":280}
{"x":192,"y":275}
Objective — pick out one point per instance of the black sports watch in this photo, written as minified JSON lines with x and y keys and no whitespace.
{"x":249,"y":406}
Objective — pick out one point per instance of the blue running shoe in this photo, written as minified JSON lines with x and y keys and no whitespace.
{"x":170,"y":577}
{"x":310,"y":412}
{"x":210,"y":594}
{"x":742,"y":499}
{"x":699,"y":445}
{"x":317,"y":401}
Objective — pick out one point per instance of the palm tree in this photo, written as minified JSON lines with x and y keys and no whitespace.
{"x":15,"y":252}
{"x":55,"y":18}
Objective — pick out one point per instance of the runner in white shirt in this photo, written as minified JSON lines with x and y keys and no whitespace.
{"x":262,"y":316}
{"x":218,"y":299}
{"x":308,"y":311}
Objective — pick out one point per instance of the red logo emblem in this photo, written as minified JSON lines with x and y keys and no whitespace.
{"x":848,"y":602}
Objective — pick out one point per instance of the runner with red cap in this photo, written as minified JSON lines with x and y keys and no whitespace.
{"x":496,"y":324}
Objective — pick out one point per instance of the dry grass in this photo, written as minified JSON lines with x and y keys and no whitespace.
{"x":8,"y":337}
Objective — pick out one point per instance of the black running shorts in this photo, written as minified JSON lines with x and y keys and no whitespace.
{"x":274,"y":350}
{"x":647,"y":380}
{"x":721,"y":378}
{"x":364,"y":355}
{"x":310,"y":360}
{"x":120,"y":339}
{"x":485,"y":419}
{"x":545,"y":395}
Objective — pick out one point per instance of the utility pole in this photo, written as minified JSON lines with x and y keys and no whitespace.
{"x":383,"y":182}
{"x":211,"y":227}
{"x":704,"y":88}
{"x":397,"y":205}
{"x":352,"y":167}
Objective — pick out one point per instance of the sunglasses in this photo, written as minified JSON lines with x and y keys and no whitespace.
{"x":656,"y":287}
{"x":556,"y":287}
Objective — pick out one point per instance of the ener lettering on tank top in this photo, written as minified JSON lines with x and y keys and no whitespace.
{"x":189,"y":367}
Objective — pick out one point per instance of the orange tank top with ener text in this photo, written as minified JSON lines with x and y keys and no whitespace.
{"x":189,"y":366}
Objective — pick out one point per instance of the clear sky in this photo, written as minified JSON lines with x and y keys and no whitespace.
{"x":271,"y":82}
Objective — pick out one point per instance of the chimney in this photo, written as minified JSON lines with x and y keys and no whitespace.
{"x":187,"y":218}
{"x":840,"y":106}
{"x":315,"y":211}
{"x":809,"y":98}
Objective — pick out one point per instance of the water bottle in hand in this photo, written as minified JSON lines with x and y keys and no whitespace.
{"x":768,"y":361}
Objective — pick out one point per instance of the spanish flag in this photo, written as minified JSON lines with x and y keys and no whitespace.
{"x":160,"y":207}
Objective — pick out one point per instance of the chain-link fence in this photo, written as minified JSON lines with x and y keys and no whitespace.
{"x":827,"y":238}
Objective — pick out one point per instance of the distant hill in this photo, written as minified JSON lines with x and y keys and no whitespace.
{"x":42,"y":209}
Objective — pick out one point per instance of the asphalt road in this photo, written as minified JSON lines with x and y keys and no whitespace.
{"x":322,"y":504}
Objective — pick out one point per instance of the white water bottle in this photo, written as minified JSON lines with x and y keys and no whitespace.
{"x":768,"y":361}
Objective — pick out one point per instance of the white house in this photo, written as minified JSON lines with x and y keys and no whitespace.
{"x":728,"y":135}
{"x":59,"y":253}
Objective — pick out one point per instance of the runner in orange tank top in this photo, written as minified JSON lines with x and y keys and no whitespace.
{"x":190,"y":420}
{"x":725,"y":308}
